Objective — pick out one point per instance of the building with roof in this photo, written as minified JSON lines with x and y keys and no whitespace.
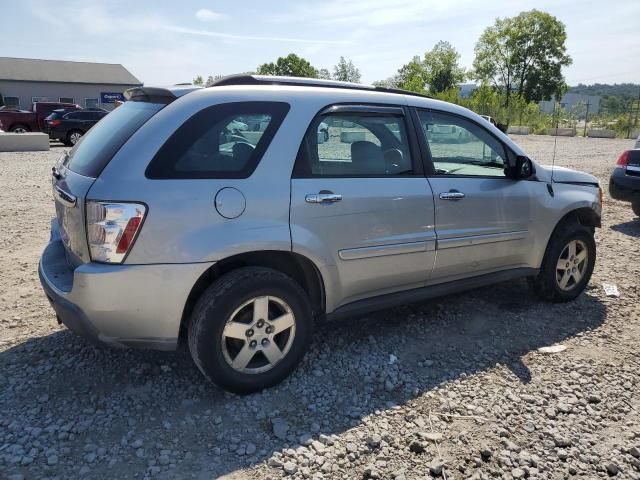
{"x":24,"y":81}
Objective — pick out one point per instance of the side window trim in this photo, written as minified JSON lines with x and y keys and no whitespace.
{"x":302,"y":166}
{"x":424,"y":146}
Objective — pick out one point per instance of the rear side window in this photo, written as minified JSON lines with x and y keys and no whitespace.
{"x":221,"y":141}
{"x":96,"y":148}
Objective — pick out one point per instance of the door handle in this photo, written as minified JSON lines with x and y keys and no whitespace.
{"x":322,"y":197}
{"x":452,"y":195}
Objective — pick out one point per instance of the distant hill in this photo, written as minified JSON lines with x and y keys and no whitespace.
{"x":624,"y":90}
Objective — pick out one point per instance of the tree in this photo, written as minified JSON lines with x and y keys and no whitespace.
{"x":291,"y":66}
{"x":198,"y":80}
{"x":441,"y":69}
{"x":346,"y":71}
{"x":412,"y":76}
{"x":324,"y":74}
{"x":524,"y":54}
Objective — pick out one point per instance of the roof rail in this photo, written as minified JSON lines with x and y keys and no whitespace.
{"x":244,"y":79}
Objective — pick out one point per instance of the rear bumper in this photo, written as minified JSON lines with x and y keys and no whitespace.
{"x":624,"y":187}
{"x":121,"y":305}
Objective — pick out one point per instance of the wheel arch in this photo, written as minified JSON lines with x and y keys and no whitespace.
{"x":296,"y":266}
{"x":17,"y":125}
{"x":585,"y":216}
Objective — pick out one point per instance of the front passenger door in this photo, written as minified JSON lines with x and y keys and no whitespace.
{"x":482,"y":217}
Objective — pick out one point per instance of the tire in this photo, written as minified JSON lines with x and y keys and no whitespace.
{"x":19,"y":128}
{"x":548,"y":283}
{"x":636,"y":208}
{"x":223,"y":309}
{"x":73,"y":137}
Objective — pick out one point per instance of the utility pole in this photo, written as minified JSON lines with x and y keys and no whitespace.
{"x":635,"y":120}
{"x":586,"y":119}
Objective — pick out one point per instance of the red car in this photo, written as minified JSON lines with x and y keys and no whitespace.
{"x":20,"y":121}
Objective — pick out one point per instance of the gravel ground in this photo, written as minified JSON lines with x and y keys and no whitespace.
{"x":453,"y":387}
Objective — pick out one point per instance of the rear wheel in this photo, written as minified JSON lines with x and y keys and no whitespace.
{"x":636,"y":208}
{"x":20,"y":129}
{"x":250,"y":329}
{"x":567,"y":265}
{"x":73,"y":137}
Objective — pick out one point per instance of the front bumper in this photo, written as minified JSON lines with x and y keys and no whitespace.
{"x":624,"y":187}
{"x":122,"y":305}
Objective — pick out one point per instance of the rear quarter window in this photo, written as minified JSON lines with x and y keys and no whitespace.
{"x":96,"y":148}
{"x":221,"y":141}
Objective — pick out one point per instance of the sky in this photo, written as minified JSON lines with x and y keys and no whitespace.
{"x":167,"y":42}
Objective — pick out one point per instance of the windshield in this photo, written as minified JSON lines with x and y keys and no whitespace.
{"x":95,"y":149}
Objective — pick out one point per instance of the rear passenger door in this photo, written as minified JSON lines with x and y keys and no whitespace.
{"x":481,"y":217}
{"x":361,"y":202}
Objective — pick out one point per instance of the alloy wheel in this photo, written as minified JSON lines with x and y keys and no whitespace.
{"x":258,"y":334}
{"x":572,"y":264}
{"x":74,"y":137}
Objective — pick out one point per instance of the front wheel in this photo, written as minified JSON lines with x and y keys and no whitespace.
{"x":250,"y":329}
{"x":567,"y":265}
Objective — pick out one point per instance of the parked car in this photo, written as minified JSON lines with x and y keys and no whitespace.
{"x":169,"y":230}
{"x":624,"y":183}
{"x":20,"y":121}
{"x":446,"y":133}
{"x":69,"y":126}
{"x":489,"y":119}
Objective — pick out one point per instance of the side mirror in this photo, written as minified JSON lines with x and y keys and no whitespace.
{"x":524,"y":167}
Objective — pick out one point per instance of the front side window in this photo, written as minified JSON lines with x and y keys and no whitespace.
{"x":355,"y":144}
{"x":461,"y":147}
{"x":222,"y":141}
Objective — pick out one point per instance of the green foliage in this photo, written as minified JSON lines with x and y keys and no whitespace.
{"x":441,"y":69}
{"x":412,"y":76}
{"x":346,"y":71}
{"x":524,"y":54}
{"x":324,"y":74}
{"x":624,"y":90}
{"x":198,"y":80}
{"x":291,"y":66}
{"x":451,"y":95}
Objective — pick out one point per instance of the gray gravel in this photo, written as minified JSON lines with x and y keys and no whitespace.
{"x":450,"y":388}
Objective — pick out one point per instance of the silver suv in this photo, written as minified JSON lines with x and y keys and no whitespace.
{"x":234,"y":217}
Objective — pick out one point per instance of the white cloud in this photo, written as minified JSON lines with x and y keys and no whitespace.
{"x":206,"y":15}
{"x":231,"y":36}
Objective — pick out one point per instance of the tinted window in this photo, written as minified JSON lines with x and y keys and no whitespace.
{"x":80,"y":116}
{"x":222,"y":141}
{"x":461,"y":147}
{"x":355,"y":144}
{"x":99,"y":144}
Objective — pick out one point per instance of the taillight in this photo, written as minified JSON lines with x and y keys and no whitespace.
{"x":623,"y":161}
{"x":54,"y":123}
{"x":112,"y":228}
